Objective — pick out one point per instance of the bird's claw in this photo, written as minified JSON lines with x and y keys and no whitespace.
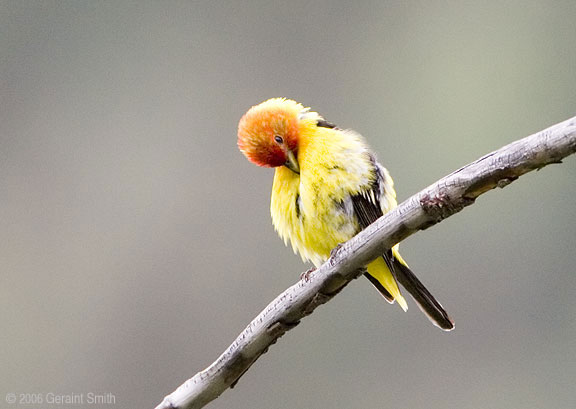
{"x":306,"y":274}
{"x":335,"y":249}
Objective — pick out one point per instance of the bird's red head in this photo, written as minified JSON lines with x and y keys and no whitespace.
{"x":268,"y":133}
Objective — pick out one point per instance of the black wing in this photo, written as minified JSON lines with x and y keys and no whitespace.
{"x":367,"y":209}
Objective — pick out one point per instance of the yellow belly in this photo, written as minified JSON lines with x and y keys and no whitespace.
{"x":309,"y":217}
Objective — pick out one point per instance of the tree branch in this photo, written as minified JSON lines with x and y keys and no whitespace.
{"x":430,"y":206}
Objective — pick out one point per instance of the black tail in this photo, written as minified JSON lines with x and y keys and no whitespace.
{"x":422,"y":296}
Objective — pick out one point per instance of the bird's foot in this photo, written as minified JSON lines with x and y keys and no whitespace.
{"x":335,"y":249}
{"x":306,"y":274}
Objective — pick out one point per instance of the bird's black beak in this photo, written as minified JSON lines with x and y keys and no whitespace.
{"x":292,"y":162}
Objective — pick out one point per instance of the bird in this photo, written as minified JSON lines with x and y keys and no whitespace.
{"x":328,"y":186}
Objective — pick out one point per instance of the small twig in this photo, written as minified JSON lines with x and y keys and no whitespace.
{"x":430,"y":206}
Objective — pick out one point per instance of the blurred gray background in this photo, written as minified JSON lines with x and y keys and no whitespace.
{"x":136,"y":241}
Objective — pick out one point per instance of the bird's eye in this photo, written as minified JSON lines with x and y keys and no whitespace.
{"x":278,"y":139}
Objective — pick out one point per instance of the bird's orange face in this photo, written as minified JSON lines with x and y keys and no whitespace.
{"x":268,"y":133}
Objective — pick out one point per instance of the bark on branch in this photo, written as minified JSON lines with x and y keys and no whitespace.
{"x":440,"y":200}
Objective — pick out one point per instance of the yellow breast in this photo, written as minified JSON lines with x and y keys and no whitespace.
{"x":313,"y":210}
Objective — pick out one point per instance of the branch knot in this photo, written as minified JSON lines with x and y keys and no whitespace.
{"x":440,"y":206}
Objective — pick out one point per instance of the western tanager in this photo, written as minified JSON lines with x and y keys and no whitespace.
{"x":327,"y":187}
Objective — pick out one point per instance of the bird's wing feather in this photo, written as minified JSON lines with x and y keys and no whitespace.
{"x":367,"y":209}
{"x":368,"y":206}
